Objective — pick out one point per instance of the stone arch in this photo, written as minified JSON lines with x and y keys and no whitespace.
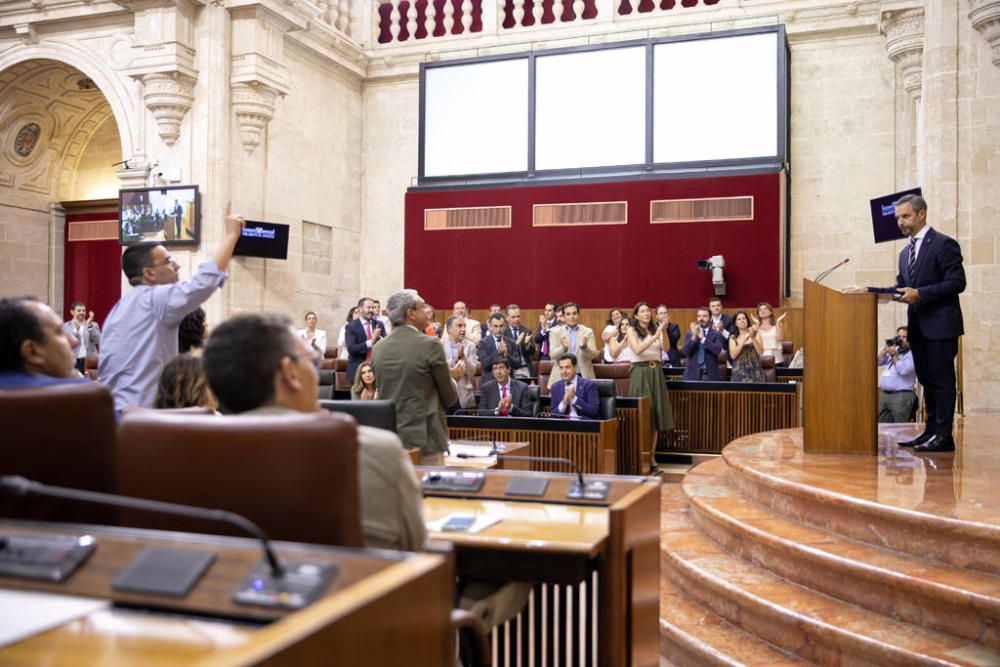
{"x":114,"y":87}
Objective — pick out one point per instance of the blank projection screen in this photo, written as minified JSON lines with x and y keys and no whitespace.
{"x":590,"y":109}
{"x":715,"y":99}
{"x":476,"y":118}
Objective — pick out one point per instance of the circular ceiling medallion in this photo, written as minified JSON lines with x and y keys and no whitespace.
{"x":26,"y":139}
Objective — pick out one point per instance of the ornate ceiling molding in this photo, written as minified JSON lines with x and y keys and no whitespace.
{"x":985,"y":18}
{"x":904,"y":42}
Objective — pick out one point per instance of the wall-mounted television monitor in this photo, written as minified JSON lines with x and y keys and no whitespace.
{"x":884,"y":226}
{"x":263,"y":239}
{"x":169,"y":214}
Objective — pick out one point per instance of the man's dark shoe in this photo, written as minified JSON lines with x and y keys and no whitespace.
{"x":919,"y":440}
{"x":938,"y":443}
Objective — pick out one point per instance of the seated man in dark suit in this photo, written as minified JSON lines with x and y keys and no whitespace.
{"x":574,"y":396}
{"x":35,"y":351}
{"x":504,"y":396}
{"x":519,"y":343}
{"x":702,"y":345}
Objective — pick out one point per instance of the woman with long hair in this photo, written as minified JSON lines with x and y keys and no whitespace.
{"x":611,"y":331}
{"x":365,"y":388}
{"x":315,"y":338}
{"x":745,"y":348}
{"x":646,"y":343}
{"x":771,"y":331}
{"x":183,"y":385}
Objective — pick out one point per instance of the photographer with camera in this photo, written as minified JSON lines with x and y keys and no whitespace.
{"x":897,"y":402}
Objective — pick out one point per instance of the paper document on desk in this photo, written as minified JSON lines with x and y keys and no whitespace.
{"x":475,"y":452}
{"x":483,"y":521}
{"x":23,"y":614}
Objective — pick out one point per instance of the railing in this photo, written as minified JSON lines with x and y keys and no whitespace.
{"x":407,"y":21}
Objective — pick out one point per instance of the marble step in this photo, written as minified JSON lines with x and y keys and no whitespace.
{"x":812,"y":626}
{"x":864,"y":498}
{"x":692,"y":636}
{"x":965,"y":603}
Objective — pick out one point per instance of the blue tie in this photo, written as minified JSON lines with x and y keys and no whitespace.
{"x":701,"y":354}
{"x":911,"y":262}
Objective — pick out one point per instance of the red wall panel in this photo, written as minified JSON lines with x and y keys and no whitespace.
{"x":92,"y":271}
{"x":597,"y":266}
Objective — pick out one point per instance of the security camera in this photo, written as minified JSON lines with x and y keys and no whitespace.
{"x":715,"y":264}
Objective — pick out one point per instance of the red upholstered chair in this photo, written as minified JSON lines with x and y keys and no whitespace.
{"x":767,"y":365}
{"x":90,"y":366}
{"x":340,"y":381}
{"x":295,"y":476}
{"x":723,"y":368}
{"x":544,"y":370}
{"x":617,"y":372}
{"x":787,"y":351}
{"x":62,"y":435}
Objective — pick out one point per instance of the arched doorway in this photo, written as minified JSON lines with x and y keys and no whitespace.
{"x":59,"y":142}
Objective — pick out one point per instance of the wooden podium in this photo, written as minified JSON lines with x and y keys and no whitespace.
{"x":841,"y":393}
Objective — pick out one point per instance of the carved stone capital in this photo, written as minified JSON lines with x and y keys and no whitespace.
{"x":168,"y":96}
{"x":985,"y":18}
{"x":904,"y":41}
{"x":254,"y":104}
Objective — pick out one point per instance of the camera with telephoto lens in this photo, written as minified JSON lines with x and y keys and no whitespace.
{"x":896,"y":342}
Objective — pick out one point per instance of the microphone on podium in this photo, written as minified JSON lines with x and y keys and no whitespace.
{"x":833,"y":268}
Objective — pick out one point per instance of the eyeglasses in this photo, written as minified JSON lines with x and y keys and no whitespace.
{"x":165,"y":262}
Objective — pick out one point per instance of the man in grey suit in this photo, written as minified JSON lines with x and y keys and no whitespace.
{"x":462,"y":360}
{"x":413,"y":373}
{"x":86,"y":331}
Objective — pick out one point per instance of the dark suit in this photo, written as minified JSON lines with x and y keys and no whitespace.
{"x":587,"y":404}
{"x":542,"y":340}
{"x":713,"y":345}
{"x":673,"y":337}
{"x":356,"y":341}
{"x":520,"y":355}
{"x":935,"y":322}
{"x":412,"y":372}
{"x":488,"y":352}
{"x":520,"y":405}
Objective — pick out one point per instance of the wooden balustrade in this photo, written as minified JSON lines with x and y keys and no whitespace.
{"x":708,"y":415}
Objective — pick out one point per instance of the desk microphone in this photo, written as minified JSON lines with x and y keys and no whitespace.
{"x":19,"y":486}
{"x":833,"y":268}
{"x":591,"y":491}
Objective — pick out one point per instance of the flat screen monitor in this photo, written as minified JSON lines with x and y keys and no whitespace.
{"x":883,"y":210}
{"x":170,"y":215}
{"x":263,"y":239}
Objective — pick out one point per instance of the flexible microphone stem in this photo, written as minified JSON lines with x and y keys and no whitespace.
{"x":22,"y":487}
{"x":833,"y":268}
{"x":547,"y":459}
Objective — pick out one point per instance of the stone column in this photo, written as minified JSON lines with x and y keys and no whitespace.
{"x":985,"y":17}
{"x":164,"y":60}
{"x":904,"y":32}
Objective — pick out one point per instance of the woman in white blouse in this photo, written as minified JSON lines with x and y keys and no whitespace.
{"x":770,"y":330}
{"x":315,"y":338}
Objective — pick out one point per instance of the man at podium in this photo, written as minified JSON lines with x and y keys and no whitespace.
{"x":930,"y":278}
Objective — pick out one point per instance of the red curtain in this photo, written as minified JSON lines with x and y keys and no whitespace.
{"x":92,"y":272}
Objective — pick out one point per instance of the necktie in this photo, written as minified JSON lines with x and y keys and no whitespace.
{"x":912,"y":259}
{"x":368,"y":331}
{"x":503,"y":401}
{"x":701,"y":352}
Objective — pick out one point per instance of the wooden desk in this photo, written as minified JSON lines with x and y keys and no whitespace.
{"x":591,"y":444}
{"x":483,"y":449}
{"x":373,"y":596}
{"x":569,"y":549}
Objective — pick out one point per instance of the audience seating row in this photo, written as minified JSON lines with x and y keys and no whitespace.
{"x":295,"y":475}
